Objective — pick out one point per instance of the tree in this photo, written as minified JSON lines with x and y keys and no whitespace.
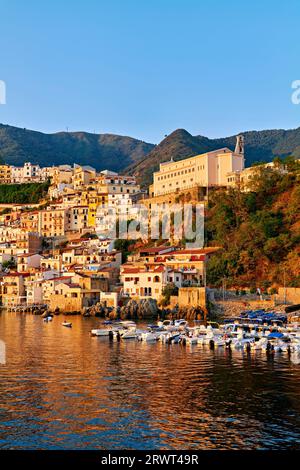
{"x":169,"y":290}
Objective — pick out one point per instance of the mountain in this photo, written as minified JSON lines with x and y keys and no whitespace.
{"x":260,"y":146}
{"x":98,"y":150}
{"x":134,"y":156}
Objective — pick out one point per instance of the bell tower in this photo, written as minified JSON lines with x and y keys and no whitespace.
{"x":239,"y":147}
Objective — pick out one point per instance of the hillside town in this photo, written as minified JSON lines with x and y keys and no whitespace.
{"x":60,"y":253}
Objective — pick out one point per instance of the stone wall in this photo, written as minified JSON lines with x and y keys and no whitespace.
{"x":292,"y":295}
{"x":110,"y":298}
{"x":192,"y":297}
{"x":65,"y":304}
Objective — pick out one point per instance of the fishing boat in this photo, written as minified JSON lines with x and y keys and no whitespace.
{"x":67,"y":324}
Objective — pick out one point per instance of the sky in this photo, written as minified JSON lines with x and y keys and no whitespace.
{"x":145,"y":68}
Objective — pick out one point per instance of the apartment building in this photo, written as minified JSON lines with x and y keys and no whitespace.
{"x":144,"y":281}
{"x":52,"y":222}
{"x":5,"y":174}
{"x":13,"y":288}
{"x":27,"y":262}
{"x":83,"y":175}
{"x":122,"y":194}
{"x":77,"y":218}
{"x":29,"y":221}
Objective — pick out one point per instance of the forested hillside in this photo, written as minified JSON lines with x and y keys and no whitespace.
{"x":258,"y":230}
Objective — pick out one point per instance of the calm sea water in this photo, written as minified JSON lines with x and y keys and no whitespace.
{"x":63,"y":389}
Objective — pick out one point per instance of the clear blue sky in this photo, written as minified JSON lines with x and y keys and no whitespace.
{"x":145,"y":68}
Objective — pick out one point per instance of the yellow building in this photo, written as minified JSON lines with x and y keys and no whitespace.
{"x":75,"y":294}
{"x":207,"y":169}
{"x":83,"y":175}
{"x":5,"y":174}
{"x":244,"y":179}
{"x":93,"y":200}
{"x":13,"y":288}
{"x":52,"y":222}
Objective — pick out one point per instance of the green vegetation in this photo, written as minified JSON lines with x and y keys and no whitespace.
{"x":10,"y":264}
{"x":29,"y":193}
{"x":98,"y":150}
{"x":167,"y":292}
{"x":258,"y":230}
{"x":125,"y":247}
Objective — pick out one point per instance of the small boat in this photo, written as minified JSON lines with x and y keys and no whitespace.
{"x":180,"y":324}
{"x":47,"y":319}
{"x":67,"y":324}
{"x":130,"y":334}
{"x":164,"y":323}
{"x":149,"y":337}
{"x":185,"y":339}
{"x":259,"y":345}
{"x":127,"y":324}
{"x":101,"y":332}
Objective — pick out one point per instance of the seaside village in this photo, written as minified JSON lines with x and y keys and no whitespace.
{"x":57,"y":256}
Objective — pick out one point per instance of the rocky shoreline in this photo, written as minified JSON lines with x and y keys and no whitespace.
{"x":143,"y":309}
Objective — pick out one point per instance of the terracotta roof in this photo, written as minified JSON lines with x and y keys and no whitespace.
{"x":15,"y":274}
{"x":155,"y":249}
{"x":59,"y":278}
{"x":26,"y":255}
{"x":142,"y":269}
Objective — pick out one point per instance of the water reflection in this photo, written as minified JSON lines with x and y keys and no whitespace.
{"x":62,"y":388}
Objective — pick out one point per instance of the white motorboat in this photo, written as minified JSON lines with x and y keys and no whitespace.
{"x":185,"y":339}
{"x":165,"y":323}
{"x":67,"y":324}
{"x":101,"y":332}
{"x":127,"y":323}
{"x":47,"y":319}
{"x":129,"y":334}
{"x":180,"y":324}
{"x":259,"y":345}
{"x":149,"y":337}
